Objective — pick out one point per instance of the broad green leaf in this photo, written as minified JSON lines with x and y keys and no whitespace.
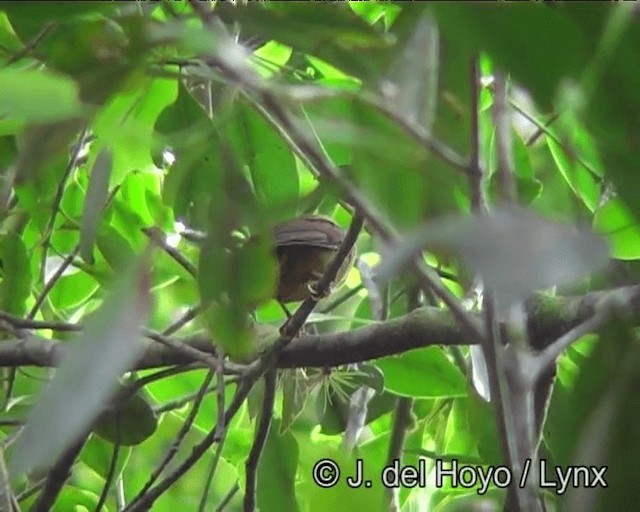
{"x":127,"y":420}
{"x":581,"y":181}
{"x":614,"y":106}
{"x":614,"y":220}
{"x":73,"y":290}
{"x":194,"y":180}
{"x":333,"y":410}
{"x":295,"y":390}
{"x":459,"y":438}
{"x":271,"y":57}
{"x":88,"y":375}
{"x":127,"y":122}
{"x":277,"y":471}
{"x":72,"y":497}
{"x":114,"y":248}
{"x":424,"y":373}
{"x":15,"y":270}
{"x":271,"y":164}
{"x":37,"y":96}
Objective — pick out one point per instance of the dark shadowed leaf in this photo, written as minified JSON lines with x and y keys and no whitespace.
{"x":128,"y":419}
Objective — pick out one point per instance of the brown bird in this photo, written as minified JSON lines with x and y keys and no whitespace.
{"x":305,"y":248}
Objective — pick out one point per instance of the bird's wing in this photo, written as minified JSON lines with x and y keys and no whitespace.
{"x":315,"y":232}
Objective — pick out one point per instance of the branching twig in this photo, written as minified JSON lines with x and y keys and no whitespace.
{"x":173,"y":450}
{"x":421,"y":328}
{"x":52,"y":281}
{"x":225,"y":501}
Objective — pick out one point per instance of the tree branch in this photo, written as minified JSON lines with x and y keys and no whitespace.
{"x":550,"y":318}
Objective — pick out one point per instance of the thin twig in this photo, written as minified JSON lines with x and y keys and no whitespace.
{"x":52,"y":281}
{"x":475,"y":170}
{"x":183,"y":348}
{"x":57,"y":200}
{"x":113,"y":464}
{"x":173,"y":450}
{"x":197,"y":452}
{"x":157,"y":236}
{"x":220,"y":396}
{"x":189,"y":315}
{"x":225,"y":501}
{"x":212,"y":471}
{"x":262,"y":431}
{"x":502,"y":121}
{"x":24,"y":51}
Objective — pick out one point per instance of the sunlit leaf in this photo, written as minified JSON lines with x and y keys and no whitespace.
{"x":622,"y":230}
{"x":425,"y":373}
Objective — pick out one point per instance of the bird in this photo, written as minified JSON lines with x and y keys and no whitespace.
{"x":305,"y":247}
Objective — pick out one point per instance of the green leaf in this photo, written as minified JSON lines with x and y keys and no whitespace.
{"x":98,"y":455}
{"x":127,"y":122}
{"x":15,"y":270}
{"x":270,"y":161}
{"x":277,"y":471}
{"x":592,"y":419}
{"x":581,"y":181}
{"x":115,"y":249}
{"x":424,"y":373}
{"x":127,"y":420}
{"x":73,"y":290}
{"x":622,"y":230}
{"x":88,"y":375}
{"x":295,"y":391}
{"x":72,"y":497}
{"x":37,"y":96}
